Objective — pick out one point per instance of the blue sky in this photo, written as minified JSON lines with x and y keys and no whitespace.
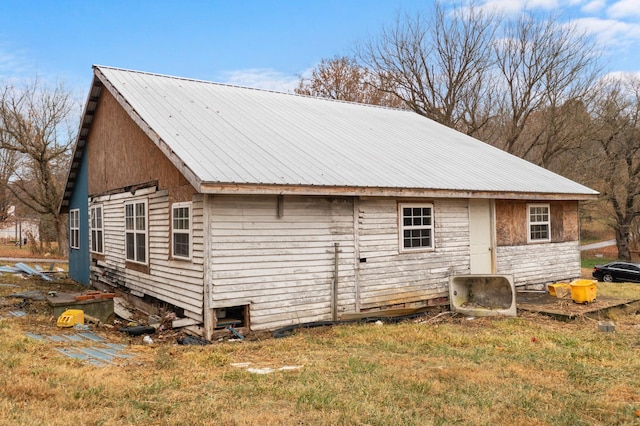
{"x":265,"y":44}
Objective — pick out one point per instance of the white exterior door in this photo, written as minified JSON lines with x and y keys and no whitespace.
{"x":481,"y":236}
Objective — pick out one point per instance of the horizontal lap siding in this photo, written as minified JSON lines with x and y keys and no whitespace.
{"x":389,"y":277}
{"x":178,"y":283}
{"x":539,"y":263}
{"x":282,"y":266}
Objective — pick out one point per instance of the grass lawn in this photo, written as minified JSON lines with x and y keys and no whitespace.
{"x":437,"y":370}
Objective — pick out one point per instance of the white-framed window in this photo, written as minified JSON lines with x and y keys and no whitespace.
{"x":97,"y":232}
{"x":136,"y":236}
{"x":416,"y":226}
{"x":74,"y":229}
{"x":181,"y":230}
{"x":538,"y":223}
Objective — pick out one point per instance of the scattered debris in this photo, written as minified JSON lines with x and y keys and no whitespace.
{"x":138,"y":330}
{"x":265,"y":370}
{"x":147,"y":340}
{"x":607,"y":326}
{"x":31,"y":295}
{"x":90,"y":295}
{"x":100,"y":355}
{"x":30,"y":271}
{"x":235,"y":333}
{"x":240,"y":364}
{"x":193,"y":340}
{"x":122,"y":309}
{"x":70,"y":318}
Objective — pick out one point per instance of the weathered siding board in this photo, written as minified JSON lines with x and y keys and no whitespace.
{"x":292,"y":257}
{"x":176,"y":282}
{"x":389,"y":277}
{"x":539,"y":263}
{"x":121,"y":154}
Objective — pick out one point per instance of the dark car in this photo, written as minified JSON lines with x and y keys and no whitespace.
{"x":617,"y":272}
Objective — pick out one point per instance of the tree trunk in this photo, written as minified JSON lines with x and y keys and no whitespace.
{"x":622,"y":241}
{"x":61,"y":233}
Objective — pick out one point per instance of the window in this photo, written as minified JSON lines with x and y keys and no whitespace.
{"x":539,"y":223}
{"x":97,"y":232}
{"x":135,"y":218}
{"x":416,"y":226}
{"x":74,"y":229}
{"x":181,"y":230}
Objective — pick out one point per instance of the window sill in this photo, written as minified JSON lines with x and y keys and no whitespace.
{"x":138,"y":267}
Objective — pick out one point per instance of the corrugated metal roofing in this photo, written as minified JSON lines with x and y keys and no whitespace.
{"x":226,"y":134}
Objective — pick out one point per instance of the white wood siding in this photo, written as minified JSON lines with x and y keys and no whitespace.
{"x":283,"y":267}
{"x":389,"y":277}
{"x":176,"y":282}
{"x":539,"y":263}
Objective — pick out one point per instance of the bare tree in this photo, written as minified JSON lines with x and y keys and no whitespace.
{"x":8,"y":166}
{"x":36,"y":124}
{"x":616,"y":155}
{"x":546,"y":69}
{"x":440,"y":68}
{"x":341,"y":78}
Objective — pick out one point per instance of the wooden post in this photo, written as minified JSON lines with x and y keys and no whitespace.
{"x":334,"y":299}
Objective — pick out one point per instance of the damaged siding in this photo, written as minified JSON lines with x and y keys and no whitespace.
{"x":279,"y":260}
{"x":539,"y":263}
{"x":175,"y":282}
{"x":389,"y":277}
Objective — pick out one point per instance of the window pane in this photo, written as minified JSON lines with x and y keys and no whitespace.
{"x":181,"y":218}
{"x":539,"y":232}
{"x":99,"y":217}
{"x":128,"y":213}
{"x":141,"y":249}
{"x":130,"y":246}
{"x":181,"y":245}
{"x":99,"y":247}
{"x":140,"y":217}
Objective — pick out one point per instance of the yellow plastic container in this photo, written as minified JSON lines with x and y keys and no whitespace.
{"x":71,"y":317}
{"x":583,"y":291}
{"x":559,"y":289}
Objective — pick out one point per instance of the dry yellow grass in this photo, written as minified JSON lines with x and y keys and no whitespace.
{"x":438,"y":370}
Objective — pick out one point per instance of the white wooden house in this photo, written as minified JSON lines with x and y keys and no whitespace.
{"x":277,"y":209}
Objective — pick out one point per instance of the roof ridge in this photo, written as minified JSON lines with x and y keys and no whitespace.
{"x":237,"y":86}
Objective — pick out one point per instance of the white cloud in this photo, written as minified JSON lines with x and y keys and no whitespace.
{"x":511,"y":7}
{"x":508,"y":7}
{"x":260,"y":78}
{"x":594,"y":6}
{"x":12,"y":65}
{"x":624,"y":9}
{"x":609,"y":31}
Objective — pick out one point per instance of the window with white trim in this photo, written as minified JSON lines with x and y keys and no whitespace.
{"x":97,"y":232}
{"x":136,"y":241}
{"x":416,"y":226}
{"x":74,"y":229}
{"x":539,"y":223}
{"x":181,"y":230}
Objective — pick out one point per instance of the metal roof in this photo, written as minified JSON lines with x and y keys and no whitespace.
{"x":224,"y":134}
